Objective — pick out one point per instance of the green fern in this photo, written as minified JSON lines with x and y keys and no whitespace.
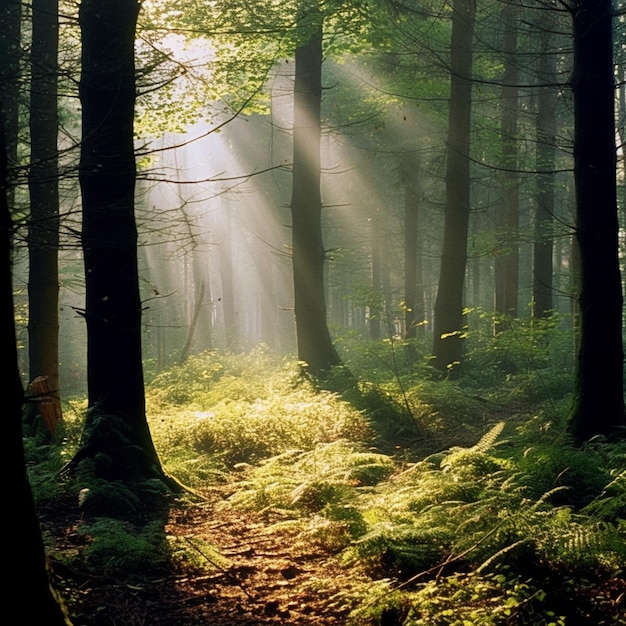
{"x":488,"y":440}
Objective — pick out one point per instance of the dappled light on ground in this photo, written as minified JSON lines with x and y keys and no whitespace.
{"x":305,"y":507}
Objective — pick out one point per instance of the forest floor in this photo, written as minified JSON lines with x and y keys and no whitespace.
{"x":252,"y":576}
{"x":233,"y":567}
{"x":255,"y":572}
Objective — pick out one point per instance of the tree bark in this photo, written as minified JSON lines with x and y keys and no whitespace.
{"x":448,"y":321}
{"x":546,"y":149}
{"x":507,"y":216}
{"x":10,"y":57}
{"x":107,"y":175}
{"x":315,"y":347}
{"x":28,"y":572}
{"x":413,"y":288}
{"x":599,"y":388}
{"x":43,"y":231}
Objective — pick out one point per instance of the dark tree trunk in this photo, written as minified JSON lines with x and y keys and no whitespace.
{"x":10,"y":57}
{"x":448,"y":321}
{"x":315,"y":347}
{"x":599,"y":390}
{"x":28,"y":572}
{"x":43,"y":232}
{"x":546,"y":149}
{"x":622,"y":139}
{"x":413,"y":293}
{"x":507,"y":217}
{"x":109,"y":234}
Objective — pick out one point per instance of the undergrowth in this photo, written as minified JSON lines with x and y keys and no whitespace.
{"x":462,"y":504}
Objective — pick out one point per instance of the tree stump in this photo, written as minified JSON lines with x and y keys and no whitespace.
{"x":48,"y":401}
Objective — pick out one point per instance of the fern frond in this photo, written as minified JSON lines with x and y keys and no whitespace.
{"x":494,"y":557}
{"x":547,"y":495}
{"x":489,"y":438}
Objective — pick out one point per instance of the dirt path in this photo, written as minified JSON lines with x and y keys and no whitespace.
{"x":243,"y":575}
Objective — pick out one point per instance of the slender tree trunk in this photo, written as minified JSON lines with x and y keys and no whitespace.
{"x":448,"y":321}
{"x":621,"y":129}
{"x":546,"y":149}
{"x":376,"y":310}
{"x":28,"y":572}
{"x":315,"y":347}
{"x":599,"y":390}
{"x":193,"y":324}
{"x":507,"y":217}
{"x":109,"y":235}
{"x":43,"y":231}
{"x":231,"y":328}
{"x":411,"y":213}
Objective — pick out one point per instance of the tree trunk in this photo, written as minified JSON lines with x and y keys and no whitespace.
{"x":10,"y":57}
{"x":507,"y":217}
{"x":231,"y":327}
{"x":315,"y":347}
{"x":109,"y":235}
{"x":43,"y":231}
{"x":622,"y":139}
{"x":411,"y":212}
{"x":448,"y":321}
{"x":28,"y":572}
{"x":599,"y":389}
{"x":546,"y":149}
{"x":376,"y":298}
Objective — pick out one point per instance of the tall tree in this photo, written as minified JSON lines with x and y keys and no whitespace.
{"x":29,"y":570}
{"x":545,"y":159}
{"x":10,"y":58}
{"x":507,"y":217}
{"x":621,"y":126}
{"x":376,"y":283}
{"x":413,"y":280}
{"x":107,"y":174}
{"x":315,"y":347}
{"x":599,"y":390}
{"x":448,"y":320}
{"x":43,"y":232}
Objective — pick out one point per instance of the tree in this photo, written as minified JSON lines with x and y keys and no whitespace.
{"x":545,"y":158}
{"x":43,"y":232}
{"x":507,"y":216}
{"x":29,"y":570}
{"x":315,"y":348}
{"x":107,"y":174}
{"x":10,"y":56}
{"x":599,"y":388}
{"x":413,"y":279}
{"x":448,"y":320}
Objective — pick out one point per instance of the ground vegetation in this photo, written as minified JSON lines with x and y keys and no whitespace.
{"x":405,"y":500}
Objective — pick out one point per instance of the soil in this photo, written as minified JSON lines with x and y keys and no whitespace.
{"x":249,"y":576}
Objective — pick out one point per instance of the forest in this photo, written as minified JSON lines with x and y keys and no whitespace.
{"x":314,"y":311}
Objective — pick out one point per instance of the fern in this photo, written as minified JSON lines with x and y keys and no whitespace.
{"x":488,"y":440}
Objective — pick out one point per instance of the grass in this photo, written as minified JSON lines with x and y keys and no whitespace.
{"x":461,"y":507}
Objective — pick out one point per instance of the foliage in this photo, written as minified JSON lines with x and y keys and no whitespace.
{"x":478,"y":511}
{"x":45,"y":458}
{"x":536,"y":353}
{"x":114,"y":545}
{"x":507,"y":523}
{"x":246,"y":409}
{"x":309,"y":481}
